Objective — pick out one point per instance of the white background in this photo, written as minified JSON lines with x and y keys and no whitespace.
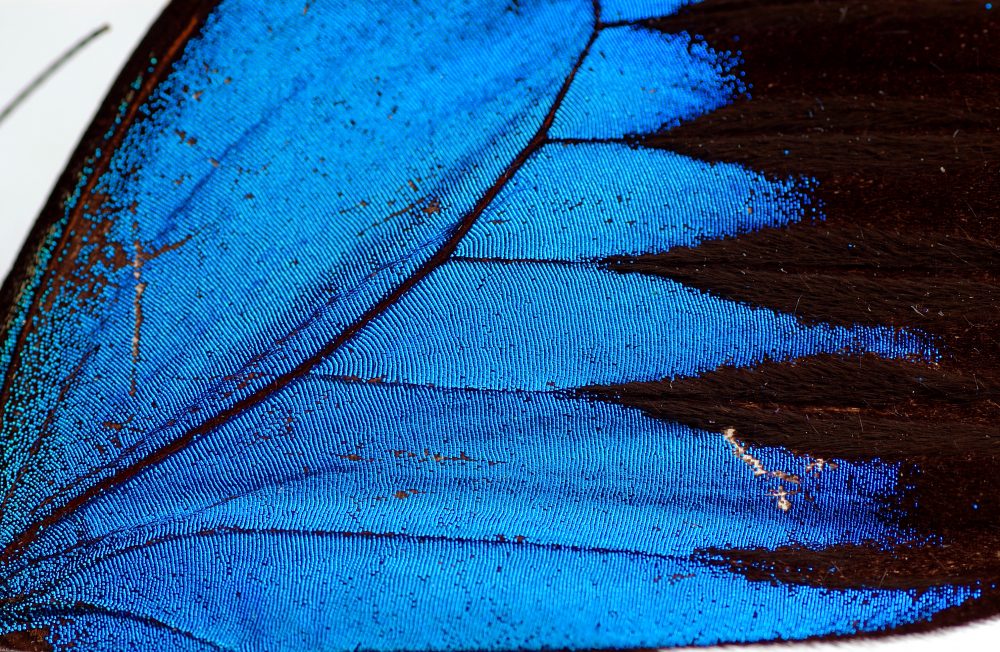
{"x":37,"y":140}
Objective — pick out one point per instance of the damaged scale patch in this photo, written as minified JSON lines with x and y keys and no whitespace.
{"x":811,"y":477}
{"x":812,"y":468}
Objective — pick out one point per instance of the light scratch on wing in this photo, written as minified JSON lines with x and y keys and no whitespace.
{"x":141,"y":257}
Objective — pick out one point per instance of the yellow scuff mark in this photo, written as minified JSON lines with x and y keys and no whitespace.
{"x":781,"y":494}
{"x":784,"y":504}
{"x":818,"y":465}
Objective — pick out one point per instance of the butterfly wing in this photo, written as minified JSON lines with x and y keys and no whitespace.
{"x":307,"y":358}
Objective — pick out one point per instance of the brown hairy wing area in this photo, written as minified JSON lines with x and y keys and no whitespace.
{"x":833,"y":407}
{"x":894,"y":108}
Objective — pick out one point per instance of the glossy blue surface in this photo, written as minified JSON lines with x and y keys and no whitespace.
{"x":637,"y":80}
{"x":301,"y":371}
{"x":591,"y":201}
{"x":538,"y":326}
{"x":632,"y":10}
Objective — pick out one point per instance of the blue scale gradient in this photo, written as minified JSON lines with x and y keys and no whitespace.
{"x":614,"y":11}
{"x":293,"y":200}
{"x":538,"y":326}
{"x":585,"y":474}
{"x":592,"y":201}
{"x":437,"y":482}
{"x":640,"y":81}
{"x":602,"y":493}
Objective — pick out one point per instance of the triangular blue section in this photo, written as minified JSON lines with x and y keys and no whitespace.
{"x":544,"y":326}
{"x":590,"y":201}
{"x":636,"y":81}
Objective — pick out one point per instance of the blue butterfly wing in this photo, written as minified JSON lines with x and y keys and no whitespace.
{"x":302,"y":362}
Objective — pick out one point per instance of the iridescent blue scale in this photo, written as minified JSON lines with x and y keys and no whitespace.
{"x":312,"y":380}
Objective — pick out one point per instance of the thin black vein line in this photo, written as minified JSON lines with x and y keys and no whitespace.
{"x":439,"y":258}
{"x":641,"y":23}
{"x":635,"y":141}
{"x":35,"y":83}
{"x":389,"y":537}
{"x":366,"y":535}
{"x":87,"y":609}
{"x":511,"y":262}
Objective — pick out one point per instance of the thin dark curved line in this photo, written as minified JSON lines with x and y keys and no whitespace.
{"x":390,"y":536}
{"x":642,"y":22}
{"x":86,"y":608}
{"x":635,"y":141}
{"x":527,"y":262}
{"x":279,"y":383}
{"x":335,"y":379}
{"x":224,"y":531}
{"x":40,"y":79}
{"x":122,"y":532}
